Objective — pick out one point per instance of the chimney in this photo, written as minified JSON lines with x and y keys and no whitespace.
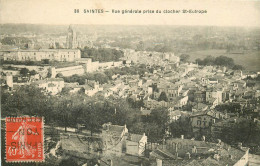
{"x":216,"y":157}
{"x":188,"y":155}
{"x":228,"y":149}
{"x":230,"y":156}
{"x":111,"y":163}
{"x":235,"y":120}
{"x":203,"y":138}
{"x":226,"y":115}
{"x":214,"y":121}
{"x":240,"y":145}
{"x":182,"y":136}
{"x":194,"y":149}
{"x":158,"y":162}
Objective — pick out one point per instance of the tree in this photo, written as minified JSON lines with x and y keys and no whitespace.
{"x":181,"y":127}
{"x":224,"y":61}
{"x":26,"y":100}
{"x":59,"y":75}
{"x":198,"y":61}
{"x":163,"y":97}
{"x":24,"y":72}
{"x":245,"y":131}
{"x":184,"y":58}
{"x":229,"y":108}
{"x":238,"y":67}
{"x":68,"y":162}
{"x":46,"y":61}
{"x":33,"y":72}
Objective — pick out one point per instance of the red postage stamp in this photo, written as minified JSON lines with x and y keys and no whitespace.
{"x":24,"y":139}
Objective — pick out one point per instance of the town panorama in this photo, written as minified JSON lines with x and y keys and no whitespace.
{"x":135,"y":95}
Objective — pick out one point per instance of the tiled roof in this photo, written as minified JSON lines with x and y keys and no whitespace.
{"x":134,"y":137}
{"x":116,"y":128}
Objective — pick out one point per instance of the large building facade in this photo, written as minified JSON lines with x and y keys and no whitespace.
{"x":69,"y":55}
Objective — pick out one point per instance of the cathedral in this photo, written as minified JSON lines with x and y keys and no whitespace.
{"x":71,"y":41}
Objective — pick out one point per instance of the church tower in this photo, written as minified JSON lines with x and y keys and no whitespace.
{"x":71,"y":40}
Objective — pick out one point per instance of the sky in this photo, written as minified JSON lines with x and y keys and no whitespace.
{"x":244,"y":13}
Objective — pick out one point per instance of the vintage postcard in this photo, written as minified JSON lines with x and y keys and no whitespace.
{"x":130,"y":83}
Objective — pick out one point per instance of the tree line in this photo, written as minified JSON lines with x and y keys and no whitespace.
{"x":102,"y":54}
{"x":90,"y":112}
{"x":219,"y":61}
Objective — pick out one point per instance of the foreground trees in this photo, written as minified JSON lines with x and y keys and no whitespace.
{"x":91,"y":112}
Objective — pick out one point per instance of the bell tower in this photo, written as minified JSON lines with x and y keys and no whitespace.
{"x":71,"y":41}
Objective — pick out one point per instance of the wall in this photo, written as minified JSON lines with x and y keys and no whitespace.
{"x":68,"y":71}
{"x":243,"y":161}
{"x":132,"y":148}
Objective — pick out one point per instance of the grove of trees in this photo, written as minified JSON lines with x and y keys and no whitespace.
{"x":101,"y":54}
{"x":219,"y":61}
{"x":91,"y":112}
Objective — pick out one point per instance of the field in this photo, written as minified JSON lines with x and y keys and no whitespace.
{"x":250,"y":60}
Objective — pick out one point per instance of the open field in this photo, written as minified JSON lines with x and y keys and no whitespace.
{"x":250,"y":60}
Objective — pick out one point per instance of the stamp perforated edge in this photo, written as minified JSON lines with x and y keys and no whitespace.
{"x":27,"y":161}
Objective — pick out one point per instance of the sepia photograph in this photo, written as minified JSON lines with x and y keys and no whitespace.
{"x":130,"y":83}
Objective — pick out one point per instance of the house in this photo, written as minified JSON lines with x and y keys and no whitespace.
{"x":180,"y":101}
{"x":200,"y":96}
{"x":205,"y":119}
{"x":7,"y":79}
{"x":114,"y":139}
{"x":174,"y":115}
{"x":135,"y":144}
{"x":80,"y":146}
{"x":145,"y":111}
{"x":213,"y":93}
{"x":92,"y":87}
{"x":51,"y":85}
{"x":212,"y":81}
{"x":199,"y":107}
{"x":172,"y":91}
{"x":186,"y":152}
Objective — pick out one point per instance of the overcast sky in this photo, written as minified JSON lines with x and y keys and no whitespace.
{"x":220,"y":13}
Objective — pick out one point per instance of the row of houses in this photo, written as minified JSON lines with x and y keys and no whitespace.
{"x":117,"y":146}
